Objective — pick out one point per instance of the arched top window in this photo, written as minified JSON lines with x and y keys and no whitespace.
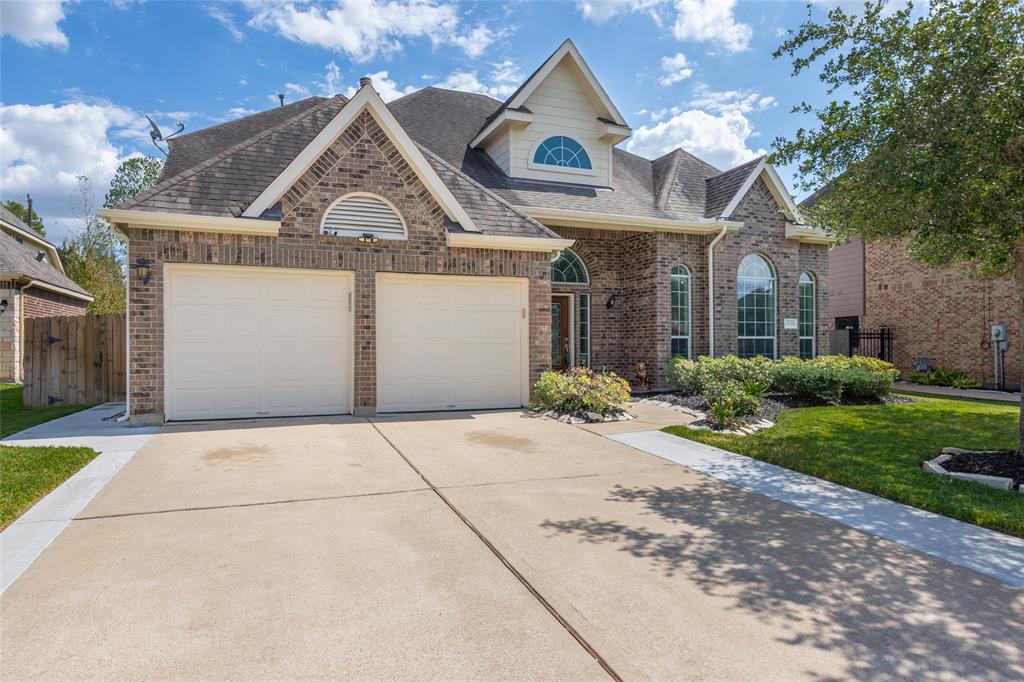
{"x":755,"y":307}
{"x":808,"y":316}
{"x":361,"y":214}
{"x":568,"y":269}
{"x":563,"y":152}
{"x":680,"y":306}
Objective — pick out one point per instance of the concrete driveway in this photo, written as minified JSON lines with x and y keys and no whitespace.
{"x":477,"y":546}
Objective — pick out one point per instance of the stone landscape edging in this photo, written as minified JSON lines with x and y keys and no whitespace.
{"x":934,"y":466}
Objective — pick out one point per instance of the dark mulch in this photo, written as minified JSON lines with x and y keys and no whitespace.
{"x":1008,"y":464}
{"x":772,"y":404}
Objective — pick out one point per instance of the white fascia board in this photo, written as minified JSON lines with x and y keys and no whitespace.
{"x":614,"y":221}
{"x":39,"y":284}
{"x":612,"y":133}
{"x":491,"y":241}
{"x":184,"y":222}
{"x":809,"y":234}
{"x":775,"y":185}
{"x":366,"y":99}
{"x":568,"y":48}
{"x":508,"y":117}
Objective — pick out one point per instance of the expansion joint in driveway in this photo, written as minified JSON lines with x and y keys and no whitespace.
{"x":501,"y":557}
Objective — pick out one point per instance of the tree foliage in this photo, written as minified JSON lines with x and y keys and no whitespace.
{"x":923,"y":139}
{"x":21,"y":211}
{"x":132,"y":177}
{"x":94,"y":257}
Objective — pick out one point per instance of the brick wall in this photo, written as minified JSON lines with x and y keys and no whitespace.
{"x":940,"y":315}
{"x":41,"y":303}
{"x":361,"y":159}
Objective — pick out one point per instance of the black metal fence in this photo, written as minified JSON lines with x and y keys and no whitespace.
{"x":871,"y":343}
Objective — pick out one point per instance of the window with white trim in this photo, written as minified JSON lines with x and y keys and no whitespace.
{"x":568,"y":269}
{"x":584,"y":358}
{"x":563,"y":152}
{"x":755,"y":307}
{"x":808,"y":315}
{"x":361,"y":214}
{"x":680,"y":311}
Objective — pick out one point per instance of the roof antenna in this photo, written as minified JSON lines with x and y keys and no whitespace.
{"x":280,"y":96}
{"x":158,"y":137}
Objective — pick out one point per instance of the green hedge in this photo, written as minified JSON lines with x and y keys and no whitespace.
{"x":580,"y":390}
{"x":944,"y":376}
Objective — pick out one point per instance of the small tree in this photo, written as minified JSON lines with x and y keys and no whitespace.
{"x":94,"y":258}
{"x":132,"y":177}
{"x":21,"y":211}
{"x":923,"y":141}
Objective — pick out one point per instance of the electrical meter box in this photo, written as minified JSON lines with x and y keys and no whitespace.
{"x":999,"y":332}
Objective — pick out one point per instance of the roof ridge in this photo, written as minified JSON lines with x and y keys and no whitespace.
{"x":476,"y":185}
{"x":217,"y":158}
{"x":668,"y":181}
{"x":247,"y":116}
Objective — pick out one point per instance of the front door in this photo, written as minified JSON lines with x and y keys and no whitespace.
{"x":560,"y":356}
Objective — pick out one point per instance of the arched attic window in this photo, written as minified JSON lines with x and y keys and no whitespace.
{"x":563,"y":152}
{"x":568,"y":269}
{"x":360,"y":214}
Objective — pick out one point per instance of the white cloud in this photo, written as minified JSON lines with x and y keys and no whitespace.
{"x":364,"y":29}
{"x":239,"y":112}
{"x":506,"y":72}
{"x":385,"y":87}
{"x":34,"y":22}
{"x":243,"y":82}
{"x":724,"y":101}
{"x":711,"y":20}
{"x":600,"y":11}
{"x":44,"y":147}
{"x":225,"y":19}
{"x":468,"y":81}
{"x":676,"y":69}
{"x":330,"y":84}
{"x":720,"y":140}
{"x":296,"y":90}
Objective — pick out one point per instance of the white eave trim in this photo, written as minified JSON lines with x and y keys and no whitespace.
{"x":517,"y":119}
{"x":366,"y":99}
{"x":613,"y":221}
{"x":809,"y":234}
{"x":491,"y":241}
{"x":39,"y":284}
{"x":184,"y":222}
{"x":775,"y":185}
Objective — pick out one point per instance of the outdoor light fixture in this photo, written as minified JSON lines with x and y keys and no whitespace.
{"x":142,"y":266}
{"x":3,"y":306}
{"x":367,"y":238}
{"x":611,"y":302}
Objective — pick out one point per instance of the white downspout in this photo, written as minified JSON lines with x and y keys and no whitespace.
{"x":711,"y":291}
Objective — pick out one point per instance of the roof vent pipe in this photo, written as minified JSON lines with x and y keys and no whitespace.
{"x":365,"y":81}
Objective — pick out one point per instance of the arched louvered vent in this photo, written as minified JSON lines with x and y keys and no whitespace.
{"x":358,"y":214}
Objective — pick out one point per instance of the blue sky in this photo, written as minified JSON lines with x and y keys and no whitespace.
{"x":76,"y":78}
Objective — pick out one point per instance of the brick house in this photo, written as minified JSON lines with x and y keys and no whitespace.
{"x":938,"y":316}
{"x":441,"y":251}
{"x":32,"y":284}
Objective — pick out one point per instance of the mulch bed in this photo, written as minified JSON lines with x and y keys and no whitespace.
{"x":1007,"y":464}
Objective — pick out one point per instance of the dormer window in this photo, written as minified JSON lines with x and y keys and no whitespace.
{"x":563,"y":152}
{"x":363,"y":215}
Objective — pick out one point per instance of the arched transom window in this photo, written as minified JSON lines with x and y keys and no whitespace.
{"x":755,"y":307}
{"x":562,"y":151}
{"x":808,"y":315}
{"x":568,"y":269}
{"x":363,"y":214}
{"x":680,"y":311}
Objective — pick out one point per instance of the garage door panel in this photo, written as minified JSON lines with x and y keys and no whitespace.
{"x":256,"y":342}
{"x":449,"y":343}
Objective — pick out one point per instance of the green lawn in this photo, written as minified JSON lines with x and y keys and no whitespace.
{"x":27,"y":474}
{"x":879,"y":449}
{"x":16,"y":417}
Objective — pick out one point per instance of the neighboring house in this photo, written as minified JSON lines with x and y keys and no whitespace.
{"x":938,"y":317}
{"x":338,"y":255}
{"x":32,"y":284}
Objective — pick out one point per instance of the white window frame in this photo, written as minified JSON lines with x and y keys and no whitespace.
{"x":585,"y":311}
{"x":532,"y":165}
{"x":814,"y":311}
{"x":775,"y":307}
{"x":689,"y":308}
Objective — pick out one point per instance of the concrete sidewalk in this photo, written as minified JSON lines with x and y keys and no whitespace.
{"x":116,"y":443}
{"x":949,"y":392}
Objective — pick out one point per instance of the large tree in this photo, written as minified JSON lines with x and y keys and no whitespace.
{"x":922,"y":141}
{"x":18,"y":209}
{"x":94,"y":257}
{"x":133,"y":176}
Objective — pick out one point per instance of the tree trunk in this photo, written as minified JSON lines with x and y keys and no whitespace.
{"x":1018,"y":276}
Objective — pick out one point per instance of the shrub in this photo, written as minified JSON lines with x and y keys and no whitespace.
{"x":944,"y":376}
{"x":860,"y":384}
{"x":580,"y":390}
{"x":727,"y":400}
{"x":755,"y":374}
{"x":683,"y":375}
{"x":810,"y":380}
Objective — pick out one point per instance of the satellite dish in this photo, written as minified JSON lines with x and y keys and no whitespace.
{"x":157,"y":136}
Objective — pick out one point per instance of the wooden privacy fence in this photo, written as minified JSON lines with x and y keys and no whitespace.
{"x":76,"y":360}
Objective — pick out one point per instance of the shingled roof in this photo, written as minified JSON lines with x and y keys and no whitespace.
{"x":219,"y":171}
{"x":19,"y":260}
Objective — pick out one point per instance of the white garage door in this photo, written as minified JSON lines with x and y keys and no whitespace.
{"x":447,"y":343}
{"x":256,"y":342}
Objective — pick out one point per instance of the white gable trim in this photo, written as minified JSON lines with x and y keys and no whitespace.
{"x":775,"y":185}
{"x":366,"y":99}
{"x":566,"y":49}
